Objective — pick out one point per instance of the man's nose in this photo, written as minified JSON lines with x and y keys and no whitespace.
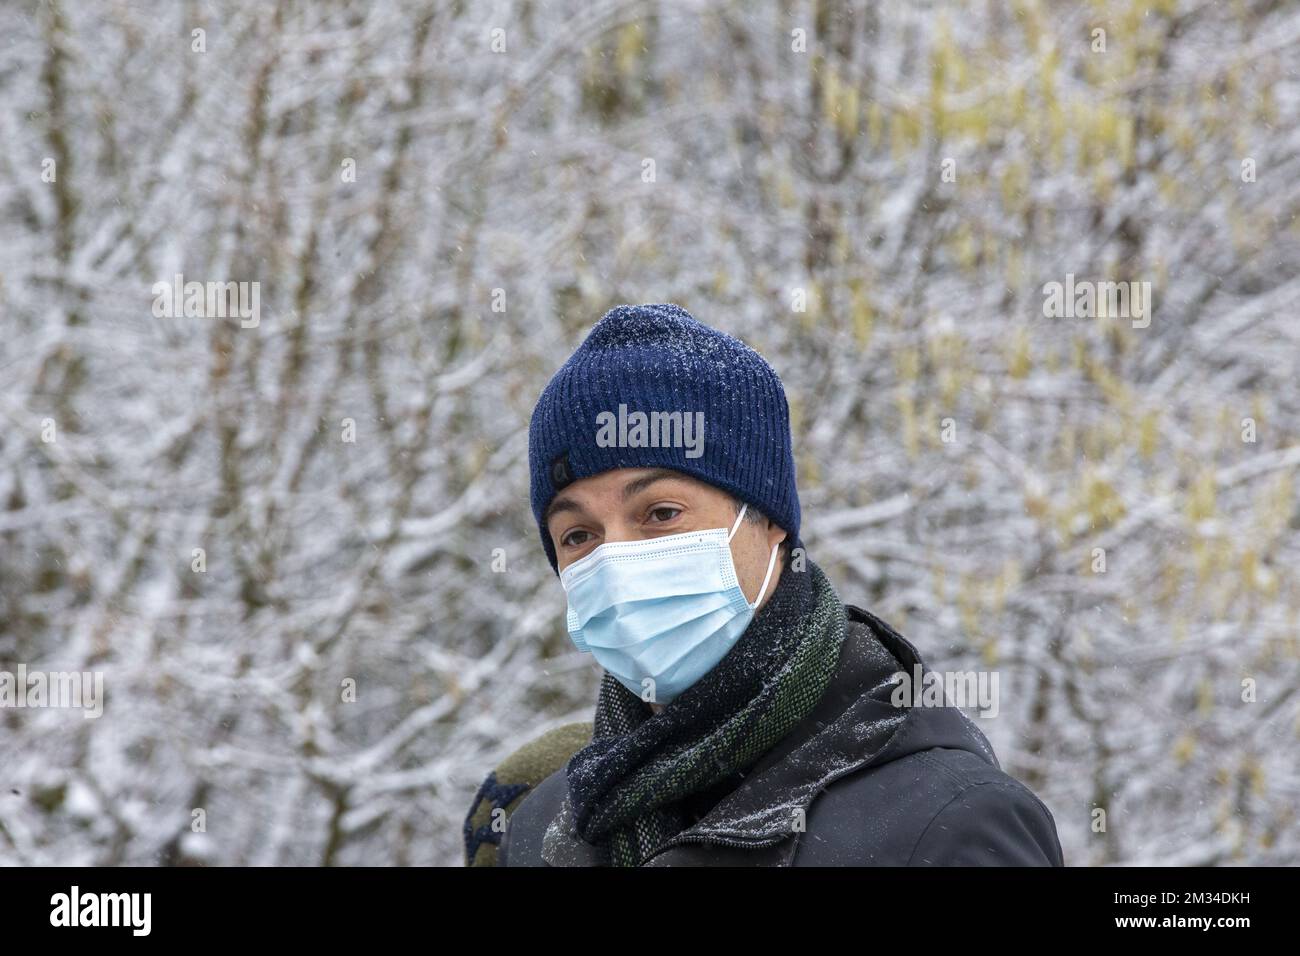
{"x":621,"y":531}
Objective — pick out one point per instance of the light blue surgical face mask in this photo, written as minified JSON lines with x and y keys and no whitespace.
{"x":667,"y":609}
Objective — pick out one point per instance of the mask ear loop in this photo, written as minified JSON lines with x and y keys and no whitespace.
{"x":736,"y":527}
{"x":771,"y":562}
{"x":771,"y":566}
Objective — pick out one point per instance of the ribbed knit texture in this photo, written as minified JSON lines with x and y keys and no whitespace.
{"x":658,"y":358}
{"x":631,"y":787}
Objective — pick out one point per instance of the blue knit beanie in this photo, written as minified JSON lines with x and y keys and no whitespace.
{"x":658,"y":360}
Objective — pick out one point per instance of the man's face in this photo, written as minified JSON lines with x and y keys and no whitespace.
{"x":631,"y":504}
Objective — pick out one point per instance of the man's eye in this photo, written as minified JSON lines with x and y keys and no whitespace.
{"x":658,"y":514}
{"x":574,"y":538}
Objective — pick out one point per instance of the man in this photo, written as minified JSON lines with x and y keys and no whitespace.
{"x":746,"y":716}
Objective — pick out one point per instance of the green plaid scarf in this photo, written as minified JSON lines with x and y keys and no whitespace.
{"x":628,"y":786}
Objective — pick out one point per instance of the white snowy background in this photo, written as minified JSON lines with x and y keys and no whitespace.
{"x":799,"y":152}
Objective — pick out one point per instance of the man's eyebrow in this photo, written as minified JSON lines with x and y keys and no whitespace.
{"x":637,"y":485}
{"x":559,"y":505}
{"x":632,"y":488}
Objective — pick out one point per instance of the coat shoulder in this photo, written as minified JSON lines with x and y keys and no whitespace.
{"x":935,"y":807}
{"x":991,"y":823}
{"x":504,"y":789}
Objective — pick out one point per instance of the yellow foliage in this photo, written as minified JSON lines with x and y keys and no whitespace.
{"x":1005,"y":583}
{"x":1019,"y":362}
{"x":1101,"y":501}
{"x":1202,"y":559}
{"x":1026,"y":11}
{"x":1204,"y":697}
{"x":1014,"y":186}
{"x":810,"y":473}
{"x":785,"y":191}
{"x":843,"y":249}
{"x":1149,"y":433}
{"x":951,"y":380}
{"x":898,"y":136}
{"x":1273,"y":510}
{"x":830,"y":82}
{"x":1047,"y":67}
{"x":965,"y":251}
{"x":1168,"y":188}
{"x":863,"y":318}
{"x":849,"y":112}
{"x":1124,"y":141}
{"x":1266,"y":107}
{"x":1014,"y":267}
{"x":907,"y":363}
{"x":1255,"y":770}
{"x":1201,"y":497}
{"x":1250,"y":569}
{"x":1057,"y":127}
{"x":1102,"y":185}
{"x":875,"y":122}
{"x":630,"y":45}
{"x":990,"y":650}
{"x":1017,"y":104}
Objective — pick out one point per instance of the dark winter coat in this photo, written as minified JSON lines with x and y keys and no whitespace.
{"x":916,"y":786}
